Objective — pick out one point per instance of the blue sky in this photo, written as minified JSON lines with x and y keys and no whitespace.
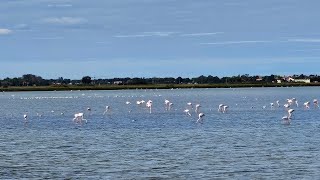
{"x":147,"y":38}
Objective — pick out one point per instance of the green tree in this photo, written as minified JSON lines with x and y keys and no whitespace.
{"x":30,"y":80}
{"x":179,"y":80}
{"x":212,"y":79}
{"x":86,"y":80}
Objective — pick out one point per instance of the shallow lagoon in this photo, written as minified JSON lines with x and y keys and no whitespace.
{"x":246,"y":142}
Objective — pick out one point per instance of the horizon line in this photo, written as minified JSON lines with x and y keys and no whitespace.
{"x":149,"y":77}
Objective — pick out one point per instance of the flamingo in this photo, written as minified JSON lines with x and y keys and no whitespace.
{"x":306,"y":105}
{"x":278,"y":103}
{"x":170,"y":105}
{"x":140,"y":102}
{"x":290,"y":101}
{"x":107,"y":110}
{"x":220,"y":109}
{"x":187,"y":111}
{"x":224,"y":110}
{"x":295,"y":101}
{"x":271,"y":105}
{"x":286,"y":106}
{"x":200,"y":117}
{"x":25,"y":117}
{"x":128,"y":103}
{"x":290,"y":111}
{"x":78,"y":117}
{"x":149,"y":105}
{"x":315,"y":102}
{"x":167,"y":104}
{"x":197,"y":108}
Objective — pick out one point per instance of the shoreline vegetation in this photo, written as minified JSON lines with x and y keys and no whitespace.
{"x":149,"y":86}
{"x":30,"y":82}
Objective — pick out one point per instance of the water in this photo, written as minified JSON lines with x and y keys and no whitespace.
{"x":247,"y":142}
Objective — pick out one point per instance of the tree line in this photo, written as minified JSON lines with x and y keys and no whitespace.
{"x":34,"y":80}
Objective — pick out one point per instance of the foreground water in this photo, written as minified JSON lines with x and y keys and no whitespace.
{"x":246,"y":142}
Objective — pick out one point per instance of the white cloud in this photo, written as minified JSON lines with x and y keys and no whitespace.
{"x":21,"y":26}
{"x":59,"y":5}
{"x":233,"y":3}
{"x":236,"y":42}
{"x":160,"y":33}
{"x":306,"y":40}
{"x":48,"y":38}
{"x":132,"y":35}
{"x":65,"y":20}
{"x":146,"y":34}
{"x":202,"y":34}
{"x":5,"y":31}
{"x":103,"y":43}
{"x":305,"y":50}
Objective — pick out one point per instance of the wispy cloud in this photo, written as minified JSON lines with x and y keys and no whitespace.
{"x":160,"y":33}
{"x":247,"y":61}
{"x":132,"y":35}
{"x":146,"y":34}
{"x":22,"y":27}
{"x":306,"y":40}
{"x":65,"y":20}
{"x":202,"y":34}
{"x":166,"y":34}
{"x":103,"y":42}
{"x":233,"y":3}
{"x":59,"y":5}
{"x":305,"y":50}
{"x":48,"y":38}
{"x":5,"y":31}
{"x":236,"y":42}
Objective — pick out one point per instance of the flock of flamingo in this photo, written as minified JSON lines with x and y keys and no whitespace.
{"x":222,"y":108}
{"x":292,"y":101}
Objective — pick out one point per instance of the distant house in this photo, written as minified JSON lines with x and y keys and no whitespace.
{"x":259,"y":79}
{"x":288,"y":79}
{"x":279,"y":81}
{"x":117,"y":82}
{"x":302,"y":80}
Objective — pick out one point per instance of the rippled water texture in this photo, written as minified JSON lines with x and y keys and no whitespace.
{"x":247,"y":142}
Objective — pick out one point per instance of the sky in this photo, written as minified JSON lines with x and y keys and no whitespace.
{"x":158,"y":38}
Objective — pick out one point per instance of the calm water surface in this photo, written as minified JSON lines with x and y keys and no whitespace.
{"x":247,"y":142}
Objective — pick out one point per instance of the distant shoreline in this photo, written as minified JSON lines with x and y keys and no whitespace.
{"x":149,"y":86}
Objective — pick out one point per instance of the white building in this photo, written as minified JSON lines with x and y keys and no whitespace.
{"x":117,"y":82}
{"x":302,"y":80}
